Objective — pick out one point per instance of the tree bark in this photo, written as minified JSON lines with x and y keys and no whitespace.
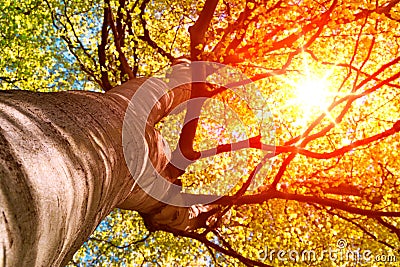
{"x":62,"y":168}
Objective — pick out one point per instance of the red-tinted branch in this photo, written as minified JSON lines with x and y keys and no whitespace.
{"x":385,"y":8}
{"x":318,"y":22}
{"x":241,"y":26}
{"x":198,"y":30}
{"x":288,"y":41}
{"x":349,"y":98}
{"x":199,"y":89}
{"x":105,"y":82}
{"x":254,"y":172}
{"x":255,"y":142}
{"x":121,"y":36}
{"x":258,"y":77}
{"x":327,"y":202}
{"x":282,"y":170}
{"x":351,"y":67}
{"x":241,"y":23}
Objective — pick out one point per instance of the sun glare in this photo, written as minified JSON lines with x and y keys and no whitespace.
{"x":312,"y":97}
{"x":312,"y":94}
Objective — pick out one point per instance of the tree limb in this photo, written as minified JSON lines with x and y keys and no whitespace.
{"x":117,"y":41}
{"x":255,"y":142}
{"x":274,"y":194}
{"x":102,"y":50}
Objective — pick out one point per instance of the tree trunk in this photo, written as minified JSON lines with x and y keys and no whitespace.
{"x":62,"y":168}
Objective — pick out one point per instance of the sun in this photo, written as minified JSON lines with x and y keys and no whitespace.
{"x":312,"y":94}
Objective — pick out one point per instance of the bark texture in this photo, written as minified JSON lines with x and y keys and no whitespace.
{"x":62,"y":168}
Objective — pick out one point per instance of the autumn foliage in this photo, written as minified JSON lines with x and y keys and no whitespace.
{"x":323,"y":126}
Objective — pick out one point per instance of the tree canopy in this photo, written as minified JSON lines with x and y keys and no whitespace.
{"x":324,"y":93}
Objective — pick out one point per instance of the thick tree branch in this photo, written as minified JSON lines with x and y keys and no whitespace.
{"x":328,"y":202}
{"x":197,"y":32}
{"x":255,"y":142}
{"x":102,"y":50}
{"x":199,"y":29}
{"x":120,"y":27}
